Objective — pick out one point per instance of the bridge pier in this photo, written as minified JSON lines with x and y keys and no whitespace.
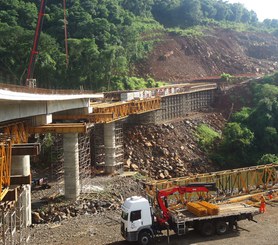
{"x":21,"y":166}
{"x":71,"y":166}
{"x":110,"y":147}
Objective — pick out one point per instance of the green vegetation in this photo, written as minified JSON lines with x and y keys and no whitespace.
{"x":268,"y":158}
{"x":226,"y":77}
{"x":191,"y":31}
{"x":207,"y":136}
{"x":252,"y":135}
{"x":106,"y":37}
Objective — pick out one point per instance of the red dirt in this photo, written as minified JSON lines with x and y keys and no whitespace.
{"x":178,"y":59}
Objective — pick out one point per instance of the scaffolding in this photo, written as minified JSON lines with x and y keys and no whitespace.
{"x":57,"y":161}
{"x":98,"y":146}
{"x":84,"y":160}
{"x":178,"y":105}
{"x":13,"y":222}
{"x":119,"y":145}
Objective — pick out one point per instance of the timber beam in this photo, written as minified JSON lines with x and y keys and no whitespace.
{"x":11,"y":195}
{"x":61,"y":128}
{"x":32,"y":149}
{"x":21,"y":180}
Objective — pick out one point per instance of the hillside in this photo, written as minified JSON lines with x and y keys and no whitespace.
{"x":177,"y":59}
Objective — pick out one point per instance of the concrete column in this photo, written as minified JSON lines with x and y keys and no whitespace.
{"x":110,"y":147}
{"x":21,"y":166}
{"x":71,"y":166}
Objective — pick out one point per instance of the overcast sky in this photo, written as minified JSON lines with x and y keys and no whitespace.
{"x":265,"y":9}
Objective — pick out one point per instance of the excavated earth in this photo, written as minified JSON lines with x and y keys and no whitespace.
{"x":167,"y":150}
{"x":178,"y":59}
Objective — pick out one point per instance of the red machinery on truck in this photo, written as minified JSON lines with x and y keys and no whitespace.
{"x":142,"y":221}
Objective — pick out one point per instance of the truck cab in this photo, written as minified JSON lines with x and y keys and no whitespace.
{"x":137,"y":220}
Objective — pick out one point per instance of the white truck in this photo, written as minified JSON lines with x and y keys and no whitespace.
{"x":141,"y":222}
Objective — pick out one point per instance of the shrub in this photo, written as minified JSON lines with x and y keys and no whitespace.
{"x":206,"y":136}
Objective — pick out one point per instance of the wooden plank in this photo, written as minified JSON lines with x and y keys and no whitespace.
{"x":20,"y":180}
{"x":32,"y":149}
{"x":61,"y":128}
{"x":11,"y":195}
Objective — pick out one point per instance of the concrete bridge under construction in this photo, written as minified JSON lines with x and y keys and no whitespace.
{"x":88,"y":132}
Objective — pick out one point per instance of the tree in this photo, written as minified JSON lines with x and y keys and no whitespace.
{"x":237,"y":138}
{"x":138,"y":7}
{"x":242,"y":116}
{"x":190,"y":12}
{"x":269,"y":140}
{"x":236,"y":12}
{"x":268,"y":158}
{"x":208,"y":9}
{"x":221,"y":11}
{"x":236,"y":146}
{"x":82,"y":70}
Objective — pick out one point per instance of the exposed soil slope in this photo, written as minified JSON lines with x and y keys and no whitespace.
{"x":177,"y":59}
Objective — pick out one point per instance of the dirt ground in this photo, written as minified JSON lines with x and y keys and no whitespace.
{"x":104,"y":228}
{"x":179,"y":59}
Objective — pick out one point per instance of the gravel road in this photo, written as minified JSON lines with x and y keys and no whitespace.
{"x":104,"y":228}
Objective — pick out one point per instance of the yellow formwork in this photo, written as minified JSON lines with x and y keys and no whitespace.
{"x":5,"y":165}
{"x":18,"y":132}
{"x":108,"y":112}
{"x":229,"y":182}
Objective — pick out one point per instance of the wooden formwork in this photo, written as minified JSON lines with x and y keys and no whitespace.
{"x":109,"y":112}
{"x":229,"y":182}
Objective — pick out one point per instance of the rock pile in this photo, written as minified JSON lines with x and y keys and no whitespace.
{"x":170,"y":149}
{"x":110,"y":195}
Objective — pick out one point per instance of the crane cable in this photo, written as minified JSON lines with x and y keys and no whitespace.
{"x":66,"y":33}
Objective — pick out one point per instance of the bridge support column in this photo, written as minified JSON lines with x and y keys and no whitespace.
{"x":110,"y":147}
{"x":21,"y":166}
{"x":71,"y":166}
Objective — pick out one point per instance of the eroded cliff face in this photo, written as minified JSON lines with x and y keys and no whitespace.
{"x":178,"y":59}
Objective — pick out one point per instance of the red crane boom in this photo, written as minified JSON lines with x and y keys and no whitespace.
{"x":30,"y":81}
{"x":34,"y":52}
{"x":164,"y":193}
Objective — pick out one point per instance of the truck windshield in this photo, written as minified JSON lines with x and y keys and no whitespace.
{"x":124,"y":215}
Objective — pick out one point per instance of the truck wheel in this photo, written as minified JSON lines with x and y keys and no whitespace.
{"x":144,"y":238}
{"x":221,"y":227}
{"x":207,"y":229}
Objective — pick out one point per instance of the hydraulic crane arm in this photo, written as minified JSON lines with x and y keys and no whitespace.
{"x":164,"y":193}
{"x":34,"y":51}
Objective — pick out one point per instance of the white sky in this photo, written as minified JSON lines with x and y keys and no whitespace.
{"x":265,"y":9}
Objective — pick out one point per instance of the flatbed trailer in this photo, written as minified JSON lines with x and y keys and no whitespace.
{"x":140,"y":221}
{"x":181,"y":220}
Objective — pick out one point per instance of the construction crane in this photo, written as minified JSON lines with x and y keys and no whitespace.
{"x":30,"y":81}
